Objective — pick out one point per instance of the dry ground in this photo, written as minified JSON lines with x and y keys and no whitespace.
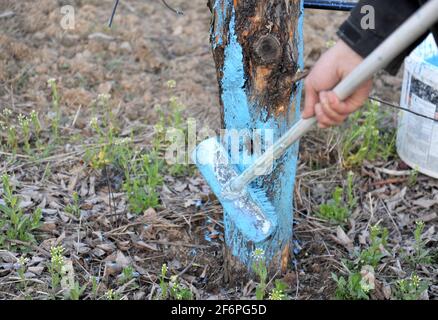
{"x":148,"y":46}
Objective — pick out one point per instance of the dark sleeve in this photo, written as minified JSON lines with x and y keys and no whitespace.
{"x":388,"y":17}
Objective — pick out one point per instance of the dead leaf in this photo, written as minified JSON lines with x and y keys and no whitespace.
{"x":36,"y":270}
{"x":144,"y":245}
{"x":368,"y":277}
{"x":387,"y":292}
{"x":343,"y":239}
{"x":98,"y":252}
{"x":122,"y":260}
{"x":81,"y":248}
{"x":107,"y":247}
{"x":7,"y":257}
{"x":425,"y":203}
{"x":429,"y":217}
{"x":48,"y":227}
{"x":180,"y":187}
{"x":124,"y":245}
{"x":150,"y":215}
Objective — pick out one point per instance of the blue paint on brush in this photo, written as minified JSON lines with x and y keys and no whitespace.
{"x":433,"y":60}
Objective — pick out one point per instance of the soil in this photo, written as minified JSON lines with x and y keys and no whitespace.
{"x":147,"y":46}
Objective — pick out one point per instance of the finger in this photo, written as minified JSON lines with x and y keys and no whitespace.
{"x":323,"y":120}
{"x":311,"y":100}
{"x":358,"y":99}
{"x":329,"y":108}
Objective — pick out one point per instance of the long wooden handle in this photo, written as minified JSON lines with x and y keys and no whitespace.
{"x":401,"y":39}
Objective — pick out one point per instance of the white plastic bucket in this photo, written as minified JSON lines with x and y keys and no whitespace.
{"x":417,"y":138}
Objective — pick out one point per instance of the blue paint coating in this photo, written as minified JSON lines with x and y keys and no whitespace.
{"x":233,"y":84}
{"x":433,"y":60}
{"x":239,"y":113}
{"x":220,"y":22}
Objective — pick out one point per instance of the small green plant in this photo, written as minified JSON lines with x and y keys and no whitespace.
{"x":172,"y":289}
{"x":74,"y":208}
{"x":178,"y":292}
{"x":410,"y":289}
{"x":142,"y":183}
{"x":56,"y":266}
{"x":360,"y":280}
{"x":177,"y":123}
{"x":23,"y":131}
{"x":163,"y":283}
{"x":354,"y":287}
{"x":6,"y":125}
{"x":278,"y":293}
{"x":420,"y":254}
{"x":260,"y":269}
{"x":55,"y":123}
{"x":17,"y":224}
{"x":75,"y":291}
{"x":94,"y":287}
{"x":112,"y":295}
{"x":413,"y":177}
{"x":22,"y":266}
{"x":128,"y":274}
{"x":335,"y":210}
{"x":24,"y":123}
{"x":344,"y":201}
{"x":376,"y":251}
{"x":362,"y":139}
{"x":62,"y":276}
{"x":351,"y":198}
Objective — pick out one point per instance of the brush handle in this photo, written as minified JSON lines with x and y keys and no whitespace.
{"x":401,"y":39}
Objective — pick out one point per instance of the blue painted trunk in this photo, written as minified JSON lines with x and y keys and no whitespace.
{"x":258,"y":49}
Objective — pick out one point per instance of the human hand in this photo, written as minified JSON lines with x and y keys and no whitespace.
{"x":329,"y":70}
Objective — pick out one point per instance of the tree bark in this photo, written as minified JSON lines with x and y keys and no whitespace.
{"x":257,"y":49}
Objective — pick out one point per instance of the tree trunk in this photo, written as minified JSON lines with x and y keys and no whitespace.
{"x":257,"y":48}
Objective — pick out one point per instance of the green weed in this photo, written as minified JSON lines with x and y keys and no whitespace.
{"x":261,"y":270}
{"x":163,"y":283}
{"x":172,"y":289}
{"x":56,"y":265}
{"x":335,"y":210}
{"x":410,"y":289}
{"x":22,"y":262}
{"x":413,"y":177}
{"x":56,"y":119}
{"x":278,"y":293}
{"x":112,"y":295}
{"x":376,"y":251}
{"x":178,"y":292}
{"x":420,"y":255}
{"x":17,"y":224}
{"x":141,"y":185}
{"x":354,"y":287}
{"x":338,"y":209}
{"x":360,"y":280}
{"x":363,"y":140}
{"x":22,"y":133}
{"x":74,"y":208}
{"x":63,"y":277}
{"x":128,"y":274}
